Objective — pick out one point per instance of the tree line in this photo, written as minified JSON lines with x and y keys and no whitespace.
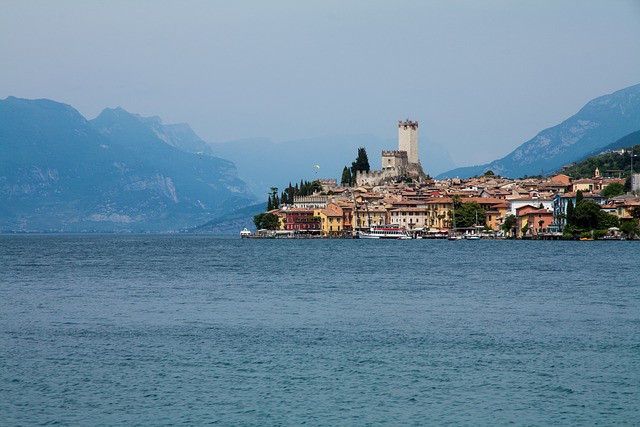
{"x":305,"y":188}
{"x":611,"y":161}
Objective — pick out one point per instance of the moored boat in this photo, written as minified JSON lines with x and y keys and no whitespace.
{"x":387,"y":231}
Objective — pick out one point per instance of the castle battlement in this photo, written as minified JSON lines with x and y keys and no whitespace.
{"x":394,"y":153}
{"x":408,"y":124}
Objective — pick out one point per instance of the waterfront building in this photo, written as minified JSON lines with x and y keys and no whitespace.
{"x":410,"y":218}
{"x":366,"y":216}
{"x":514,"y":204}
{"x":495,"y":214}
{"x":535,"y":220}
{"x":331,"y":220}
{"x":495,"y":210}
{"x":561,"y":201}
{"x":439,"y":213}
{"x":302,"y":221}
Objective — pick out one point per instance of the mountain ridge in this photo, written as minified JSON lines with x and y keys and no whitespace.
{"x":595,"y":125}
{"x":62,"y":172}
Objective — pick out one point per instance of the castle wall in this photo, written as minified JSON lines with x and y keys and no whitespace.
{"x":376,"y":177}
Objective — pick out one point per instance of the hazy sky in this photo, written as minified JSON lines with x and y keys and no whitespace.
{"x":481,"y":77}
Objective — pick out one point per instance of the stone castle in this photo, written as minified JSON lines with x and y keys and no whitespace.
{"x":400,"y":163}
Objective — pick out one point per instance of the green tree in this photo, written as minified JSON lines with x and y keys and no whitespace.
{"x":346,"y":176}
{"x":630,"y":228}
{"x":470,"y":214}
{"x":579,"y":197}
{"x":489,"y":173}
{"x":613,"y":189}
{"x":361,"y":163}
{"x":272,"y":202}
{"x":509,"y":224}
{"x":607,"y":220}
{"x":586,"y":214}
{"x":570,"y":211}
{"x":267,"y":221}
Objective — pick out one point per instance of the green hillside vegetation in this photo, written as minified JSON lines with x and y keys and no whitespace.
{"x":610,"y":164}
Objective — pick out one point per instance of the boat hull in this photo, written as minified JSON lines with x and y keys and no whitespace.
{"x":385,"y":232}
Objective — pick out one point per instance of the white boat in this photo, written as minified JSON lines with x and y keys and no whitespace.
{"x":245,"y":233}
{"x":472,"y":237}
{"x":388,"y":231}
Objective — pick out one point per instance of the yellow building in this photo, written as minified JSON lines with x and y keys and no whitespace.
{"x":495,"y":211}
{"x":331,"y":220}
{"x":439,"y":213}
{"x":366,"y":216}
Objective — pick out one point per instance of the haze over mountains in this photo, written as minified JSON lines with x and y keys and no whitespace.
{"x":599,"y":123}
{"x":122,"y":172}
{"x":61,"y":172}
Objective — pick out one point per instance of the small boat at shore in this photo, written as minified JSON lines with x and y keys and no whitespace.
{"x":388,"y":231}
{"x":245,"y":233}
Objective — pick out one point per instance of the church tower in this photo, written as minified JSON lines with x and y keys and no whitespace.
{"x":408,"y":139}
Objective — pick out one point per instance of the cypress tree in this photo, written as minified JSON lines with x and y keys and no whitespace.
{"x":362,"y":161}
{"x":570,"y":210}
{"x":346,"y":176}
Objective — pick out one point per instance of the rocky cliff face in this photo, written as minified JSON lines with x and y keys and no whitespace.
{"x":118,"y":172}
{"x":596,"y":125}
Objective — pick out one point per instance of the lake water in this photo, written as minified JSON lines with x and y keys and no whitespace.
{"x":198,"y":330}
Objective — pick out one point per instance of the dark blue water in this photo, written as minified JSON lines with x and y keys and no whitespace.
{"x":194,"y":330}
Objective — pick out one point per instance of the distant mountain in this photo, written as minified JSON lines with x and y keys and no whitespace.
{"x":60,"y":172}
{"x":602,"y":120}
{"x":626,"y":141}
{"x":263,"y":163}
{"x":179,"y":135}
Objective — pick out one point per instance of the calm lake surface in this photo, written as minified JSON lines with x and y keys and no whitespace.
{"x":197,"y":330}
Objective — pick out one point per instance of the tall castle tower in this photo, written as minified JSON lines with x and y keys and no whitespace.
{"x":408,"y":139}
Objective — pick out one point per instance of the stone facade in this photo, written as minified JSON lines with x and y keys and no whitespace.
{"x":394,"y":159}
{"x":408,"y":139}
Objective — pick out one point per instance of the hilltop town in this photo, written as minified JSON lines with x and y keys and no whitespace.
{"x":487,"y":206}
